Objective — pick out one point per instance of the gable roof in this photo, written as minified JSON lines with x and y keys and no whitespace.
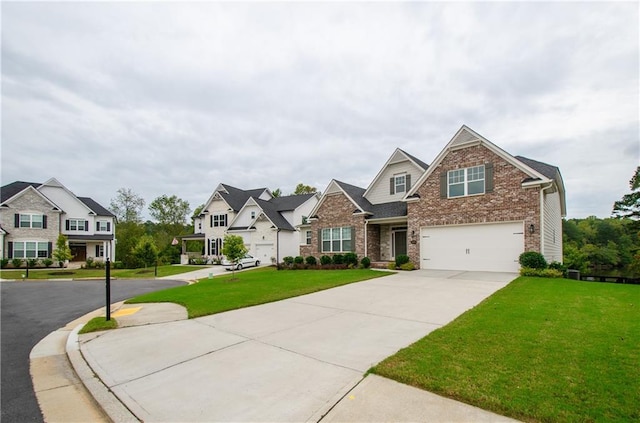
{"x":236,"y":197}
{"x":14,"y":188}
{"x":95,"y":207}
{"x":547,"y":170}
{"x":273,"y":214}
{"x":393,"y":159}
{"x":290,"y":202}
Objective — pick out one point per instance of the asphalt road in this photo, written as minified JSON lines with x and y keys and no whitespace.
{"x":29,"y":312}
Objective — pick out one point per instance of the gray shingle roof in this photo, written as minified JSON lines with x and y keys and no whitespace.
{"x":378,"y":211}
{"x":236,"y":197}
{"x":274,"y":215}
{"x":547,"y":170}
{"x":14,"y":188}
{"x":290,"y":202}
{"x":422,"y":164}
{"x":96,"y":207}
{"x":357,"y":195}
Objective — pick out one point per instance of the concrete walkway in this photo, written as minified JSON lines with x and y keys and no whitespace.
{"x":301,"y":359}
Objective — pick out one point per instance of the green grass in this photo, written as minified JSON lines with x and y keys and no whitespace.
{"x":97,"y":324}
{"x":254,"y":287}
{"x":41,"y":274}
{"x":538,"y":350}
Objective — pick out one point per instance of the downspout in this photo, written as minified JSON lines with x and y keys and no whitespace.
{"x":542,"y":190}
{"x":366,"y":223}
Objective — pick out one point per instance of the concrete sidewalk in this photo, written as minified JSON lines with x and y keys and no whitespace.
{"x":300,"y":359}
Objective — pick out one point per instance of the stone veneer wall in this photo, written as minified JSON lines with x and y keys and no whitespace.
{"x":30,"y":202}
{"x":509,"y":201}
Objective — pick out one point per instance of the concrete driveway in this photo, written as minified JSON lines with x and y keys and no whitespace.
{"x":288,"y":361}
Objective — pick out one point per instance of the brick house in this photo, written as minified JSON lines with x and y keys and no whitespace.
{"x":476,"y":207}
{"x":32,"y":215}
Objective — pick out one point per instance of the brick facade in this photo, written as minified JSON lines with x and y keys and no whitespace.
{"x":509,"y":201}
{"x":30,"y":202}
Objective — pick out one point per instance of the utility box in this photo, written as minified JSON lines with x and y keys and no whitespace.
{"x":573,"y":274}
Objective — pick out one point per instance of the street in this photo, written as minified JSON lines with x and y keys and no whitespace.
{"x":30,"y":311}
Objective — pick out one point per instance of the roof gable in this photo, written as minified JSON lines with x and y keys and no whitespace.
{"x":96,"y":207}
{"x":11,"y":190}
{"x":398,"y":156}
{"x":353,"y":193}
{"x":14,"y":189}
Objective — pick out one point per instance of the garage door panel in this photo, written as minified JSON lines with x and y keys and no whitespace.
{"x":487,"y":247}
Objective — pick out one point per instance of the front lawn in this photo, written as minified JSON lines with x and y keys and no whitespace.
{"x":253,"y":287}
{"x":54,"y":273}
{"x":538,"y":350}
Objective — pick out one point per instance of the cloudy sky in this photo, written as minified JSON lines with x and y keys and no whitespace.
{"x":174,"y":98}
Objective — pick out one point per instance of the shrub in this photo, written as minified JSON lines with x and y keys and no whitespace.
{"x":31,"y":263}
{"x":365,"y":262}
{"x":325,"y":260}
{"x":288,"y":260}
{"x":543,"y":273}
{"x":311,"y":261}
{"x":351,"y":259}
{"x":89,"y":263}
{"x":337,"y":259}
{"x":117,"y":265}
{"x":401,"y":259}
{"x":407,"y":266}
{"x":558,"y":266}
{"x":298,"y":260}
{"x":391,"y":265}
{"x":4,"y":262}
{"x":16,"y":262}
{"x":99,"y":264}
{"x":47,"y":262}
{"x":533,"y":260}
{"x":200,"y":261}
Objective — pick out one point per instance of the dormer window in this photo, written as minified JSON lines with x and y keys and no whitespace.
{"x":253,"y":215}
{"x":400,"y":183}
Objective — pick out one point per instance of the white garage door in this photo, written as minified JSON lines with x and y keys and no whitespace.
{"x":264,"y":252}
{"x":489,"y":247}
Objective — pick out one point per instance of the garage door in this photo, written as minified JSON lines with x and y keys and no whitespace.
{"x":264,"y":252}
{"x":489,"y":247}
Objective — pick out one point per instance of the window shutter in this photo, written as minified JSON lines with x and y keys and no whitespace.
{"x":66,"y":224}
{"x":488,"y":177}
{"x":97,"y":251}
{"x":44,"y":221}
{"x":211,"y":221}
{"x":319,"y":240}
{"x":10,"y":255}
{"x":86,"y":225}
{"x":108,"y":226}
{"x":209,"y":248}
{"x":443,"y":185}
{"x":97,"y":226}
{"x":392,"y":185}
{"x":17,"y":220}
{"x":49,"y":249}
{"x":408,"y":181}
{"x":353,"y":239}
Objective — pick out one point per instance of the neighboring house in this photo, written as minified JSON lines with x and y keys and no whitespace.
{"x":32,"y":215}
{"x":475,"y":207}
{"x":267,"y":224}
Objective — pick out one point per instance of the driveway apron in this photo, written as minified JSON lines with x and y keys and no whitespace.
{"x":287,"y":361}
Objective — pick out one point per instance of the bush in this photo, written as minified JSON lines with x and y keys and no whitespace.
{"x":541,"y":273}
{"x":558,"y":266}
{"x":47,"y":262}
{"x":4,"y":262}
{"x":337,"y":259}
{"x":298,"y":260}
{"x":99,"y":264}
{"x":533,"y":260}
{"x":288,"y":260}
{"x":365,"y":262}
{"x":117,"y":265}
{"x":401,"y":259}
{"x":16,"y":262}
{"x":31,"y":263}
{"x":89,"y":263}
{"x":391,"y":265}
{"x":325,"y":260}
{"x":311,"y":261}
{"x":351,"y":259}
{"x":407,"y":266}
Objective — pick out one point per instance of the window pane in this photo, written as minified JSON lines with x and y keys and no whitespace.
{"x":335,"y":245}
{"x":36,"y":221}
{"x":326,"y":246}
{"x":456,"y":190}
{"x":456,"y":176}
{"x":346,"y":232}
{"x":335,"y":233}
{"x":476,"y":187}
{"x":18,"y":249}
{"x":31,"y":253}
{"x":400,"y":183}
{"x":346,"y":245}
{"x":326,"y":235}
{"x":25,"y":221}
{"x":475,"y":173}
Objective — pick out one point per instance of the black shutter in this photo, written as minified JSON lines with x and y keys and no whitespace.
{"x":392,"y":185}
{"x":443,"y":185}
{"x":97,"y":226}
{"x":408,"y":183}
{"x":353,"y":239}
{"x":10,"y":246}
{"x":211,"y":221}
{"x":319,"y":240}
{"x":209,"y":247}
{"x":66,"y":224}
{"x":86,"y":225}
{"x":97,"y":251}
{"x":488,"y":177}
{"x":49,"y":249}
{"x":16,"y":220}
{"x":108,"y":226}
{"x":44,"y":221}
{"x":225,"y":220}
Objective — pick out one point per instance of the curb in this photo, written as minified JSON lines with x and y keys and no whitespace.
{"x":109,"y":403}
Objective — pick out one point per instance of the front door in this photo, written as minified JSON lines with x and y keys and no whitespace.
{"x":78,"y":252}
{"x":399,"y":242}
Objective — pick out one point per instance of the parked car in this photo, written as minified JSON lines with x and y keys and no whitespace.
{"x":246,"y":261}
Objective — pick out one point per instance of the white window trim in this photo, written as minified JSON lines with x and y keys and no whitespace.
{"x":331,"y":240}
{"x":465,"y":181}
{"x":396,"y":184}
{"x":77,"y":226}
{"x":24,"y":250}
{"x":106,"y":226}
{"x":31,"y":216}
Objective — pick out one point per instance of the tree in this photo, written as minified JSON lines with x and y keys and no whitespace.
{"x":146,"y":251}
{"x":169,"y":210}
{"x":128,"y":233}
{"x":276,"y":192}
{"x":304,"y":189}
{"x":234,"y":249}
{"x":629,"y":205}
{"x":62,"y":252}
{"x":127,"y":206}
{"x":196,"y":213}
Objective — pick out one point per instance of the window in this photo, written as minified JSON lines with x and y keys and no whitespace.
{"x":30,"y":249}
{"x":218,"y":220}
{"x":99,"y":250}
{"x":308,"y":237}
{"x":215,"y":247}
{"x":469,"y":181}
{"x":336,"y":239}
{"x":29,"y":220}
{"x":400,"y":183}
{"x":253,"y":215}
{"x":103,"y":226}
{"x":77,"y":225}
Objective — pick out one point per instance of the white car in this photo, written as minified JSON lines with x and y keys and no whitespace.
{"x":246,"y":261}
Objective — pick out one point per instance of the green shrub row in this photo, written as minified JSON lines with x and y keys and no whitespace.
{"x":32,"y":263}
{"x":337,"y":261}
{"x":534,"y":264}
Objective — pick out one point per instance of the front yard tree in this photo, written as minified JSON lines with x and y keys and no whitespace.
{"x":234,"y":249}
{"x":146,"y":251}
{"x":629,"y":206}
{"x":62,"y":252}
{"x":127,"y":206}
{"x":169,"y":210}
{"x":304,"y":189}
